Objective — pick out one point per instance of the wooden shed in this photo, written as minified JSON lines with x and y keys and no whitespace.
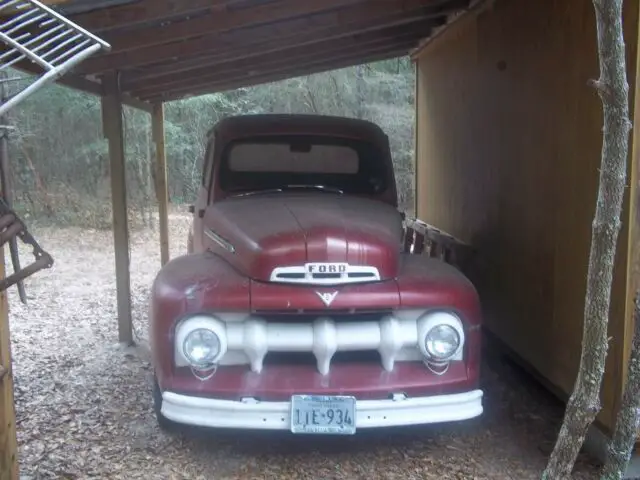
{"x":508,"y":146}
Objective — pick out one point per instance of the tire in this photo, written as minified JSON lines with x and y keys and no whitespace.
{"x":163,"y":422}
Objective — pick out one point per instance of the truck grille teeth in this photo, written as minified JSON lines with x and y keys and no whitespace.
{"x":256,"y":337}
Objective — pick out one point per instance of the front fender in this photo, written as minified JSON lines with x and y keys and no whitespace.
{"x":192,"y":283}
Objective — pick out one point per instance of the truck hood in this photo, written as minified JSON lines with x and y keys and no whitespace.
{"x":260,"y":233}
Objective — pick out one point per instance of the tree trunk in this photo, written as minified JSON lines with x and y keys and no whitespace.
{"x":626,"y":431}
{"x":360,"y":92}
{"x":612,"y":86}
{"x":146,"y":175}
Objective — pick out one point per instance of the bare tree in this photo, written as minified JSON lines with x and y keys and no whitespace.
{"x":626,"y":430}
{"x":612,"y":86}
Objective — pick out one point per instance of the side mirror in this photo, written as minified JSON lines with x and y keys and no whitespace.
{"x":192,"y":208}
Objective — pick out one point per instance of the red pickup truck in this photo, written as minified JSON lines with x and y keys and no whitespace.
{"x":297,"y":306}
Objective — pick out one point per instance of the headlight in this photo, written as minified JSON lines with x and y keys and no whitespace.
{"x":441,"y":336}
{"x":441,"y":342}
{"x":201,"y":347}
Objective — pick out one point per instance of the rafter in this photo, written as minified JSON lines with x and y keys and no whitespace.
{"x":236,"y":76}
{"x":145,"y":11}
{"x":309,"y":38}
{"x":351,"y":16}
{"x":219,"y":21}
{"x":284,"y":56}
{"x":310,"y":68}
{"x":85,"y":85}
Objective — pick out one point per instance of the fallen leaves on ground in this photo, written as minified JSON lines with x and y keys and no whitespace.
{"x":84,"y":406}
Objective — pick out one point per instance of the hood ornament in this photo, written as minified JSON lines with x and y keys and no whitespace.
{"x":327,"y":298}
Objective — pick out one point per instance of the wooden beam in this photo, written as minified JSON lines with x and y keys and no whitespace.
{"x":89,"y":86}
{"x":114,"y":132}
{"x":475,"y":8}
{"x":8,"y":443}
{"x":309,"y":40}
{"x":222,"y":21}
{"x":349,"y":17}
{"x":69,"y":8}
{"x":162,"y":193}
{"x":95,"y":88}
{"x":288,"y":56}
{"x":312,"y":65}
{"x":282,"y":60}
{"x":84,"y":85}
{"x":144,"y":11}
{"x":310,"y":68}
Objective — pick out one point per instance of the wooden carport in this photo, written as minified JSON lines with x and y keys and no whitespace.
{"x":164,"y":50}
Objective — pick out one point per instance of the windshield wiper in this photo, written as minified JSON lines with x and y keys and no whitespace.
{"x":257,"y":192}
{"x":323,"y":188}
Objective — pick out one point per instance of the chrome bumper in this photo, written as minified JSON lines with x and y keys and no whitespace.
{"x":207,"y":412}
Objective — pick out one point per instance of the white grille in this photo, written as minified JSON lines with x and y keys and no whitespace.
{"x":325,"y":274}
{"x":32,"y":31}
{"x":254,"y":337}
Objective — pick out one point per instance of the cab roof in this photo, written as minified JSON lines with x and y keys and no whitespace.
{"x":242,"y":126}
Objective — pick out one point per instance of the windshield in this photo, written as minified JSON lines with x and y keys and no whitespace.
{"x":319,"y":162}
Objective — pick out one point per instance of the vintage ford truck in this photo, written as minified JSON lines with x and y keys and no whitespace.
{"x":297,"y":306}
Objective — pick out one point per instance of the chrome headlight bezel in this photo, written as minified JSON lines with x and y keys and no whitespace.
{"x":431,"y":320}
{"x":210,"y":359}
{"x":191,"y":324}
{"x":453,"y":346}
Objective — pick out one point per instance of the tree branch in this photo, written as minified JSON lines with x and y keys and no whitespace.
{"x":626,"y":430}
{"x":612,"y":86}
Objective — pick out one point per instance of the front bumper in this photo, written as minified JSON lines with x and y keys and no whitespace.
{"x":208,"y":412}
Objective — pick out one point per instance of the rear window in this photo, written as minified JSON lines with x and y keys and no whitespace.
{"x":353,"y":166}
{"x":284,"y":157}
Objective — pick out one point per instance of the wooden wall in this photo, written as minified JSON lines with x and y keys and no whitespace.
{"x":508,"y":150}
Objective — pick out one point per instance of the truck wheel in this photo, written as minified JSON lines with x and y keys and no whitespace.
{"x":163,"y":422}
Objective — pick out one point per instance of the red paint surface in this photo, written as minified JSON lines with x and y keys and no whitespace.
{"x":279,"y":382}
{"x":188,"y":284}
{"x":290,"y":229}
{"x":204,"y":282}
{"x":373,"y":296}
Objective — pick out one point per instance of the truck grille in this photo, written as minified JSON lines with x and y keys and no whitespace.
{"x":324,"y":339}
{"x":304,"y":358}
{"x":338,"y":316}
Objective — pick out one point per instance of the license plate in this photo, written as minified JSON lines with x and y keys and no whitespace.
{"x":323,"y":414}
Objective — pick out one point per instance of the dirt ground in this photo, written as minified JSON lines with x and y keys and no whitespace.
{"x":84,"y":405}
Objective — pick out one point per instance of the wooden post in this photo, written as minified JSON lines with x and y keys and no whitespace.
{"x":162,"y":193}
{"x":8,"y":444}
{"x":113,"y":131}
